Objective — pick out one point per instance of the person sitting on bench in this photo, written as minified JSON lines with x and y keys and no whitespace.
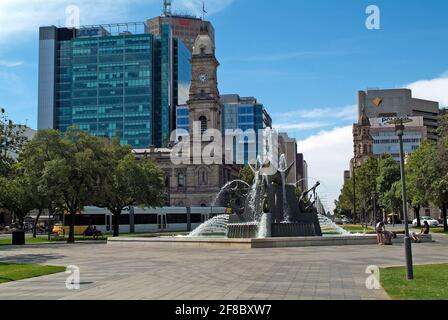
{"x":89,"y":232}
{"x":388,"y":236}
{"x":417,"y":238}
{"x":96,"y":233}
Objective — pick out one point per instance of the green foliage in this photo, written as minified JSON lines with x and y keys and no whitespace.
{"x":375,"y":178}
{"x":366,"y":181}
{"x":388,"y":177}
{"x":344,"y":205}
{"x":74,"y":174}
{"x":16,"y":195}
{"x":11,"y":141}
{"x":129,"y":182}
{"x":247,"y":175}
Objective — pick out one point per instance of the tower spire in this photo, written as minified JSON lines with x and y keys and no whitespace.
{"x":166,"y":8}
{"x":203,"y":10}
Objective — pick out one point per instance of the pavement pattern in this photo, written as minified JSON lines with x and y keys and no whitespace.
{"x":141,"y":272}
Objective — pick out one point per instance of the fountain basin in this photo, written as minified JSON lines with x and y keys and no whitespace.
{"x":244,"y":244}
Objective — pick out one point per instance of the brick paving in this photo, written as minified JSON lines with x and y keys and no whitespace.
{"x":134,"y":271}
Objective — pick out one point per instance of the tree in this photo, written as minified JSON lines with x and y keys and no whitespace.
{"x":44,"y":147}
{"x":247,"y":175}
{"x":128,"y":183}
{"x":16,"y":196}
{"x":366,"y":184}
{"x":418,"y":169}
{"x":440,"y":185}
{"x":75,"y":175}
{"x":344,"y":205}
{"x":11,"y":141}
{"x":388,"y":175}
{"x":392,"y":198}
{"x":439,"y":190}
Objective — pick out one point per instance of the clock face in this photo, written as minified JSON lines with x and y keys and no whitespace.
{"x":203,"y":77}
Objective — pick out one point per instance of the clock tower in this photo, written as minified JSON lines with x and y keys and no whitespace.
{"x":204,"y":103}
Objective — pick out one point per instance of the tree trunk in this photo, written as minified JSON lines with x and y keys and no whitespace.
{"x":71,"y":233}
{"x":116,"y":223}
{"x":444,"y":217}
{"x":35,"y":224}
{"x":417,"y":215}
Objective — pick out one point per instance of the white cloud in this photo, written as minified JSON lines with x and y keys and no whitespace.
{"x":299,"y":126}
{"x":432,"y":89}
{"x":327,"y":154}
{"x":318,"y":118}
{"x":25,"y":16}
{"x":10,"y":64}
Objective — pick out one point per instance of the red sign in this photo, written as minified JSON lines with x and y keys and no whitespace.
{"x":184,"y":22}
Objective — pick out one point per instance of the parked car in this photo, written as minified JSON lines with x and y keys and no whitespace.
{"x":432,"y":222}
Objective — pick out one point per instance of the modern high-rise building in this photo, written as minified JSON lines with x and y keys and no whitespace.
{"x":302,"y":172}
{"x":399,"y":102}
{"x":244,"y":113}
{"x":288,"y":147}
{"x":113,"y":80}
{"x":185,"y":28}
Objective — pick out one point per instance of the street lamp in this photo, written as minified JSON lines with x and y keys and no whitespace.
{"x":399,"y":128}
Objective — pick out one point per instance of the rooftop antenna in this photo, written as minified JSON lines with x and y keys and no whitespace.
{"x":167,"y":8}
{"x":203,"y":10}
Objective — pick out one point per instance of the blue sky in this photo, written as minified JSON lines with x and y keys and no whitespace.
{"x":305,"y":60}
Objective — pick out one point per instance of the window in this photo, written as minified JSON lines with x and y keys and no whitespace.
{"x":203,"y":179}
{"x":203,"y":121}
{"x":181,"y":180}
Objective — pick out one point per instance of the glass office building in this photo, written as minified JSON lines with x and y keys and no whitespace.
{"x":243,"y":113}
{"x":123,"y":84}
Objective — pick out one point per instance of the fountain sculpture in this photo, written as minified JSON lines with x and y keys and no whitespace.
{"x":267,"y":208}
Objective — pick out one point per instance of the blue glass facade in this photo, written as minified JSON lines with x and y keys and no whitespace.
{"x":237,"y":113}
{"x":124,"y":85}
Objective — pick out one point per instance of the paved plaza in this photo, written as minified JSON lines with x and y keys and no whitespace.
{"x":135,"y":271}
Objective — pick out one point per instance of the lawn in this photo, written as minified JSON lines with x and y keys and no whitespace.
{"x":14,"y":272}
{"x":429,"y":284}
{"x":352,"y":228}
{"x":8,"y":240}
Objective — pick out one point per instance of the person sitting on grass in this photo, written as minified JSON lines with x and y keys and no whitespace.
{"x":380,"y":229}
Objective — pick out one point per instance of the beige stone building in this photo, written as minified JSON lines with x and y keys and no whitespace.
{"x":197,"y":185}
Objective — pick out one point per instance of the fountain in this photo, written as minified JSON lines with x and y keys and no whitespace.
{"x":266,"y":214}
{"x":216,"y":226}
{"x":329,"y":227}
{"x":270,"y":207}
